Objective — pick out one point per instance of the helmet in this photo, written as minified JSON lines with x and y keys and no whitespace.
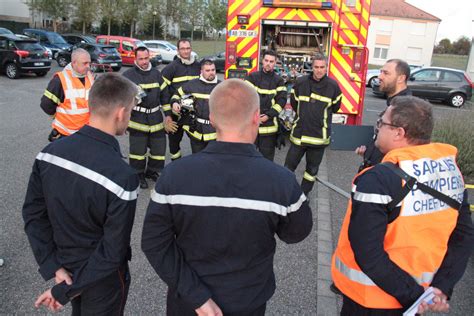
{"x":287,"y":118}
{"x":187,"y":102}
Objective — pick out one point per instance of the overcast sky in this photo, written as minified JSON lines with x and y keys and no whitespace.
{"x":456,"y":16}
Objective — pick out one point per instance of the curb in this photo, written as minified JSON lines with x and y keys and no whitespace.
{"x":326,"y":302}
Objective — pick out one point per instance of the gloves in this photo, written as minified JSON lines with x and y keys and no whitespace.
{"x":54,"y":135}
{"x":170,"y":125}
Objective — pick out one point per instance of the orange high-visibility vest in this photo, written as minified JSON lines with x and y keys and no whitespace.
{"x":73,"y":112}
{"x":417,"y":240}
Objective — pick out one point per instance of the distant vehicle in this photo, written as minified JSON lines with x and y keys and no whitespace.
{"x":218,"y":59}
{"x":441,"y":84}
{"x":5,"y":31}
{"x":74,"y":39}
{"x":19,"y":56}
{"x":167,"y":50}
{"x":52,"y":40}
{"x":373,"y":74}
{"x":126,"y":47}
{"x":100,"y":55}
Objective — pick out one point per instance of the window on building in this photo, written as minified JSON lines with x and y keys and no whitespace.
{"x":418,"y":28}
{"x":384,"y":26}
{"x":414,"y":53}
{"x":381,"y":52}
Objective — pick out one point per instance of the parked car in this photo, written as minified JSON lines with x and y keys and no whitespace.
{"x":440,"y":84}
{"x":19,"y":56}
{"x":74,"y":39}
{"x":373,"y":74}
{"x":100,"y":55}
{"x":218,"y":59}
{"x":126,"y":47}
{"x":5,"y":31}
{"x":52,"y":40}
{"x":167,"y":50}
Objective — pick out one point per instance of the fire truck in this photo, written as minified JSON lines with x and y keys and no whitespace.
{"x":296,"y":29}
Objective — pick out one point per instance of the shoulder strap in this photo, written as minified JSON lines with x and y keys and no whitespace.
{"x":412,"y":183}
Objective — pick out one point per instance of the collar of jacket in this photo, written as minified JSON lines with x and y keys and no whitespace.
{"x":74,"y":73}
{"x":243,"y":149}
{"x":405,"y":91}
{"x":189,"y":61}
{"x":142,"y":70}
{"x":323,"y":79}
{"x":207,"y":81}
{"x":101,"y":136}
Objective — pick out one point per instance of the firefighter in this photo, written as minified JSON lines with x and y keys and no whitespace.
{"x":181,"y":70}
{"x":66,"y":97}
{"x":146,"y":127}
{"x":199,"y":129}
{"x":272,"y":91}
{"x":314,"y":98}
{"x":396,"y":241}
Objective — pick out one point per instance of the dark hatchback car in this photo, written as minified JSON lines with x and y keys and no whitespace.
{"x":218,"y":59}
{"x":74,"y":39}
{"x":102,"y":56}
{"x":439,"y":84}
{"x":20,"y":56}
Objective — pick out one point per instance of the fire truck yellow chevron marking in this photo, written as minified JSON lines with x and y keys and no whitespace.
{"x":291,"y":15}
{"x":363,"y":32}
{"x":303,"y":15}
{"x":347,"y":68}
{"x":275,"y":13}
{"x":353,"y":20}
{"x":252,"y":50}
{"x":249,"y":7}
{"x":365,"y":15}
{"x":342,"y":81}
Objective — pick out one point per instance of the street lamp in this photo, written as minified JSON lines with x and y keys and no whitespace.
{"x":154,"y":17}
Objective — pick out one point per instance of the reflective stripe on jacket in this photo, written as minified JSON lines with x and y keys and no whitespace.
{"x":417,"y":240}
{"x":73,"y":112}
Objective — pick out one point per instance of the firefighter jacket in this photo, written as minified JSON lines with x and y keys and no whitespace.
{"x":146,"y":117}
{"x":199,"y":127}
{"x":66,"y":97}
{"x":210,"y":231}
{"x":176,"y":74}
{"x":79,"y":210}
{"x":272,"y":91}
{"x":314,"y":102}
{"x":385,"y":257}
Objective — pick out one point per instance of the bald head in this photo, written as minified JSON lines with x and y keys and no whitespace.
{"x":80,"y":61}
{"x":233,"y":105}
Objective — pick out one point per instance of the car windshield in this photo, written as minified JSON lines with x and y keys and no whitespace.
{"x":5,"y":31}
{"x":56,"y":38}
{"x":171,"y":46}
{"x":29,"y":46}
{"x":139,"y":43}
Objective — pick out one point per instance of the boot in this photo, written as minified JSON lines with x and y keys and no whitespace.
{"x":143,"y":183}
{"x":152,"y":175}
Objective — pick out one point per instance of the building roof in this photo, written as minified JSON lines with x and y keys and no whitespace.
{"x":400,"y":9}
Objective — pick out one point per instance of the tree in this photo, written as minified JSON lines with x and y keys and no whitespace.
{"x":462,"y":46}
{"x":110,"y":12}
{"x":444,"y":47}
{"x":84,"y":13}
{"x":57,"y":10}
{"x":217,"y":14}
{"x":196,"y":14}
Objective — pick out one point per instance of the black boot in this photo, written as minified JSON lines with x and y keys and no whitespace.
{"x":143,"y":183}
{"x":152,"y":175}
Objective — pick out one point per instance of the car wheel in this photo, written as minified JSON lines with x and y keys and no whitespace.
{"x":116,"y":68}
{"x":457,"y":100}
{"x":41,"y":73}
{"x":12,"y":71}
{"x":371,"y":81}
{"x":62,"y":62}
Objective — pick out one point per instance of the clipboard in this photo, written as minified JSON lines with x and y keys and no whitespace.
{"x":349,"y":137}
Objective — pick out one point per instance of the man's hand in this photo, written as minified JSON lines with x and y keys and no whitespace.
{"x":361,"y":150}
{"x":170,"y":125}
{"x":263,"y":118}
{"x":48,"y":300}
{"x":63,"y":275}
{"x":176,"y":107}
{"x":209,"y":308}
{"x":439,"y":303}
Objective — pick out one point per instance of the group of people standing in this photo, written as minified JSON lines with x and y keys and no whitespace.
{"x":209,"y":230}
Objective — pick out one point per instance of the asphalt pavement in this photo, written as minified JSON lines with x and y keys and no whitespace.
{"x":301,"y":269}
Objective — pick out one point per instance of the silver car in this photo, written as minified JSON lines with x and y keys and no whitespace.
{"x":167,"y":50}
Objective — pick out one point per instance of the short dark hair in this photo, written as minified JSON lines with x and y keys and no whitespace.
{"x":319,"y":56}
{"x":207,"y":61}
{"x":270,"y":52}
{"x":183,"y":40}
{"x":110,"y":91}
{"x":415,"y":116}
{"x":141,"y":49}
{"x":401,"y":67}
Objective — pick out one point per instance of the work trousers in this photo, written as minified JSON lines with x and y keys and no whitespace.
{"x":197,"y":145}
{"x":176,"y":307}
{"x":139,"y":144}
{"x":266,"y":145}
{"x":351,"y":308}
{"x":107,"y":297}
{"x":314,"y":156}
{"x":174,"y":143}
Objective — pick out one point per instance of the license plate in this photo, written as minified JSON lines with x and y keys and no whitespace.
{"x":39,"y":64}
{"x":113,"y":64}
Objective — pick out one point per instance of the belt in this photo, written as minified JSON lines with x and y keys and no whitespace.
{"x":203,"y":121}
{"x":146,"y":110}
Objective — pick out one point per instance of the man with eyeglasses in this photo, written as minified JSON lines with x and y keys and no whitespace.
{"x":181,"y":70}
{"x":393,"y":79}
{"x":396,"y":240}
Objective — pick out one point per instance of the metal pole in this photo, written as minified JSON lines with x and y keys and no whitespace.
{"x":334,"y":188}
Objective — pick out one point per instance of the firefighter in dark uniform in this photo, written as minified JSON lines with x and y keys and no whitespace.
{"x":273,"y":96}
{"x":146,"y":127}
{"x":314,"y":98}
{"x":183,"y":69}
{"x":199,"y":129}
{"x":80,"y":207}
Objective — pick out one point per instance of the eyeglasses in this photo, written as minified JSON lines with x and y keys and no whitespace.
{"x":381,"y":123}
